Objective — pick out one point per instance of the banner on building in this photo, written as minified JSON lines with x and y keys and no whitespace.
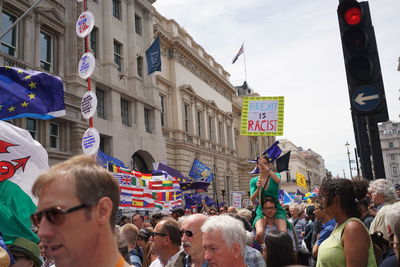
{"x":262,"y":116}
{"x":147,"y":191}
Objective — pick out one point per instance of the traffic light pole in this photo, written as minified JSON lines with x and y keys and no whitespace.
{"x":376,"y":149}
{"x":363,"y":147}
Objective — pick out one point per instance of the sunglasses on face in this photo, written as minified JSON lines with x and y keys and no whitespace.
{"x":153,"y":234}
{"x":55,"y":215}
{"x":188,"y":233}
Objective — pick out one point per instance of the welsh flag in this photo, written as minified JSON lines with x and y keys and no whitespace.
{"x":22,"y":159}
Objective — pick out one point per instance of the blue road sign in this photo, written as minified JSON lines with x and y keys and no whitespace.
{"x":366,"y":98}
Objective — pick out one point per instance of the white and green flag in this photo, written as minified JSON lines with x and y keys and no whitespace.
{"x":22,"y":159}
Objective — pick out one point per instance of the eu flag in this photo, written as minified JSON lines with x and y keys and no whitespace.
{"x":273,"y":151}
{"x":201,"y":171}
{"x":153,"y":57}
{"x":103,"y":160}
{"x":27,"y":93}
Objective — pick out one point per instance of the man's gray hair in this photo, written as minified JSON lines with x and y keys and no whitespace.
{"x":232,"y":230}
{"x":385,"y":188}
{"x":392,"y":218}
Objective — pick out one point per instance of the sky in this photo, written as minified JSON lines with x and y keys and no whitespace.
{"x":293,"y":49}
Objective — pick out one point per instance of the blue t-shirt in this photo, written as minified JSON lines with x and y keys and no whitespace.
{"x":326,"y":231}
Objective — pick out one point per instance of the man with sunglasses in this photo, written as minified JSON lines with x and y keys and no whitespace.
{"x":192,"y":240}
{"x":77,"y":207}
{"x":166,"y":241}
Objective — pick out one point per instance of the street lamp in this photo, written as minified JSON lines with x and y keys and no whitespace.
{"x":308,"y":179}
{"x":223,"y":196}
{"x":348,"y":155}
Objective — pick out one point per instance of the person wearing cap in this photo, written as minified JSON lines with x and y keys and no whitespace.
{"x":176,"y":213}
{"x":77,"y":209}
{"x":25,"y":252}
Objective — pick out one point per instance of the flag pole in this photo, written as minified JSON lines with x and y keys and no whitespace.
{"x":244,"y":59}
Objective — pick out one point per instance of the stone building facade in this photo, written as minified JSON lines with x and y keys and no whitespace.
{"x":389,"y":133}
{"x":307,"y":162}
{"x":187,"y":111}
{"x":128,"y":112}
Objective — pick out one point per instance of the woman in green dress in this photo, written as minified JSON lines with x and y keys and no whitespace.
{"x":268,"y":182}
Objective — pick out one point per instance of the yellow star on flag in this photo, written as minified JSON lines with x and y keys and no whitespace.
{"x":1,"y":107}
{"x":24,"y":104}
{"x":10,"y":109}
{"x":32,"y":85}
{"x":8,"y":67}
{"x":27,"y":77}
{"x":20,"y":71}
{"x":32,"y":96}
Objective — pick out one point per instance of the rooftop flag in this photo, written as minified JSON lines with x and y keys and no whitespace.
{"x":27,"y":93}
{"x":153,"y":57}
{"x":241,"y":50}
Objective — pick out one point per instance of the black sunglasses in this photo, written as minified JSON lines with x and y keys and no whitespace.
{"x":156,"y":233}
{"x":188,"y":233}
{"x":54,"y":215}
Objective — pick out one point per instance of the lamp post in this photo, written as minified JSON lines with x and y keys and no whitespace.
{"x":348,"y":155}
{"x":223,"y":196}
{"x":308,"y":179}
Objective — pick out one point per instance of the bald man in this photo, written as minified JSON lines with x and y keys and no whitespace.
{"x":192,"y":240}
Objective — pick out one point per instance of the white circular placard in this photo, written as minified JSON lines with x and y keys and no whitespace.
{"x":88,"y":104}
{"x":86,"y":65}
{"x":84,"y":24}
{"x":90,"y":141}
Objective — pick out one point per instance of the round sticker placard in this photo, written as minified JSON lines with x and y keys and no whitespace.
{"x":90,"y":141}
{"x":86,"y":65}
{"x":88,"y":104}
{"x":84,"y":24}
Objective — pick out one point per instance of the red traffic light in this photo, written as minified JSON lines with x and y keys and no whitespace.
{"x":352,"y":16}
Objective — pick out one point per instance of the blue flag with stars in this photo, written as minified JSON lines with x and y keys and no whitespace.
{"x":201,"y":171}
{"x":27,"y":93}
{"x":104,"y":160}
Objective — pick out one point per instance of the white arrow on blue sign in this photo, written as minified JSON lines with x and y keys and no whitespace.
{"x":366,"y":98}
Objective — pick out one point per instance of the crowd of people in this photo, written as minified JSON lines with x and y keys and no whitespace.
{"x":350,"y":223}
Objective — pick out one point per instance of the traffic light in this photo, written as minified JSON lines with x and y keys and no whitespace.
{"x":363,"y":71}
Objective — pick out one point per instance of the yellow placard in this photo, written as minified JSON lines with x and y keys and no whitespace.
{"x":262,"y":115}
{"x":301,"y":180}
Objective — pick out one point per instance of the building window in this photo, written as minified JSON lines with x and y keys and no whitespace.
{"x":118,"y":55}
{"x":390,"y":144}
{"x":221,"y":133}
{"x":162,"y":102}
{"x":94,"y":41}
{"x":31,"y":127}
{"x":9,"y":41}
{"x":199,"y":123}
{"x":116,"y":5}
{"x":46,"y":51}
{"x":229,"y":133}
{"x":54,"y":135}
{"x":148,"y":120}
{"x":125,"y":113}
{"x":393,"y":157}
{"x":211,"y":128}
{"x":138,"y":24}
{"x":101,"y":109}
{"x":139,"y":65}
{"x":186,"y":115}
{"x":395,"y":171}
